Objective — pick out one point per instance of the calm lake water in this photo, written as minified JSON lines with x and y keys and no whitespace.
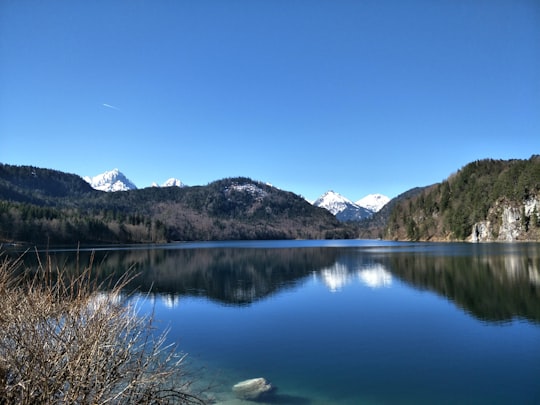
{"x":348,"y":322}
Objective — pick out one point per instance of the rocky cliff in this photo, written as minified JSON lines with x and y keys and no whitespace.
{"x":509,"y":221}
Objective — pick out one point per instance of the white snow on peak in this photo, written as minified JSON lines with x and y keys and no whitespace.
{"x":172,"y":182}
{"x":333,"y":202}
{"x":373,"y":202}
{"x":113,"y":180}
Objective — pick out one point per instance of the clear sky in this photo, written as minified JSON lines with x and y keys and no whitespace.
{"x":374,"y":96}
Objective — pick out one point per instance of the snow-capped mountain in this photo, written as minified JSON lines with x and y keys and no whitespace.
{"x":113,"y":180}
{"x":172,"y":182}
{"x":373,"y":202}
{"x":343,"y":208}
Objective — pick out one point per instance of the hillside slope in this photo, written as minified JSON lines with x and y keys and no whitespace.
{"x":40,"y":186}
{"x":486,"y":200}
{"x":374,"y":227}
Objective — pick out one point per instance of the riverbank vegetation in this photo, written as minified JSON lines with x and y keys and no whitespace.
{"x":66,"y":339}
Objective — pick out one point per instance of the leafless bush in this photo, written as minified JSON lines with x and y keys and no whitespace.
{"x":64,"y":341}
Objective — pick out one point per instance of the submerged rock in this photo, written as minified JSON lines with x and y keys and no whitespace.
{"x":252,"y":389}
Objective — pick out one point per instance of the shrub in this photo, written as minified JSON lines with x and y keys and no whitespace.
{"x":64,"y":341}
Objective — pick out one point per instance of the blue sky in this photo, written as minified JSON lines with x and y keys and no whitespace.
{"x":356,"y":96}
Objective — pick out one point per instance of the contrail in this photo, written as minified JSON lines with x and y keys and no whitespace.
{"x":110,"y":106}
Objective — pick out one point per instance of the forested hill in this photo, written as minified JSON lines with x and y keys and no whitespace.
{"x":42,"y":206}
{"x":374,"y":227}
{"x":485,"y":200}
{"x":40,"y":186}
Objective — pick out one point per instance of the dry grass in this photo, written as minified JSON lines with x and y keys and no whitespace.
{"x":64,"y":342}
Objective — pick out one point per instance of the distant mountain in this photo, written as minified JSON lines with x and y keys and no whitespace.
{"x":343,"y":208}
{"x":172,"y":182}
{"x":113,"y":180}
{"x":373,"y":202}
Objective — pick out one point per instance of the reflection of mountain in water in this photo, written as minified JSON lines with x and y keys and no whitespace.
{"x":336,"y":276}
{"x":373,"y":275}
{"x":489,"y":285}
{"x":376,"y":276}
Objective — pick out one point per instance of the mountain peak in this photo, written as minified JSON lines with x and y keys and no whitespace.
{"x":172,"y":182}
{"x":112,"y":180}
{"x":333,"y":202}
{"x":373,"y":202}
{"x":340,"y":206}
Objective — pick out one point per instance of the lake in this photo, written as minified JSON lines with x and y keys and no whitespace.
{"x":347,"y":322}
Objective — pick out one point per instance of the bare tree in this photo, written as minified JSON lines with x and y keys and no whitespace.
{"x":63,"y":341}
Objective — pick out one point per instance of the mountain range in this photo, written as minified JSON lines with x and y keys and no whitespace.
{"x":344,"y":209}
{"x":115,"y":180}
{"x":44,"y":206}
{"x":486,"y":200}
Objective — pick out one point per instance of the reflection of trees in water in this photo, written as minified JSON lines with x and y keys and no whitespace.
{"x":234,"y":276}
{"x":228,"y":275}
{"x":490,"y":287}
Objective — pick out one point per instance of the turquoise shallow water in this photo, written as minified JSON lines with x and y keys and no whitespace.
{"x":349,"y":322}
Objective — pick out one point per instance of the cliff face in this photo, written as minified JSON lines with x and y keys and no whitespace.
{"x":509,"y":221}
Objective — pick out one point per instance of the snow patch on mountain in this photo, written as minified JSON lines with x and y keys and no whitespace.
{"x":373,"y":202}
{"x":113,"y":180}
{"x":257,"y":192}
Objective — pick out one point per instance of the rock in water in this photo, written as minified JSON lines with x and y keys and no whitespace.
{"x":252,"y":389}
